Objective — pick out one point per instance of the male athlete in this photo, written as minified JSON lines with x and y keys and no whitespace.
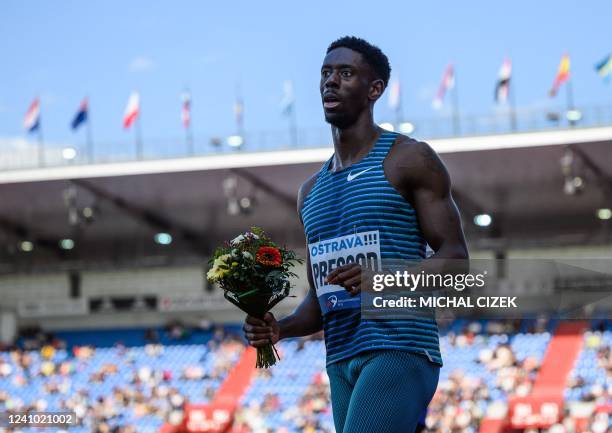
{"x":381,"y":196}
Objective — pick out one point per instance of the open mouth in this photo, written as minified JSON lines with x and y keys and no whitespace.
{"x":330,"y":101}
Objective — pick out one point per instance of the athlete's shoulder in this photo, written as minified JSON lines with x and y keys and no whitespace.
{"x":416,"y":160}
{"x":303,"y":192}
{"x":306,"y":187}
{"x":405,"y":147}
{"x":404,"y":140}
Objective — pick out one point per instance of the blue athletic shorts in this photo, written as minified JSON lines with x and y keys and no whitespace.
{"x":381,"y":391}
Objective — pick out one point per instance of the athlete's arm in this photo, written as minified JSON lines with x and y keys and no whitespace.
{"x":305,"y":320}
{"x":423,"y":179}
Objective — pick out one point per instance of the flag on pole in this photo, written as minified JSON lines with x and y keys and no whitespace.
{"x":31,"y":121}
{"x":186,"y":109}
{"x":448,"y":82}
{"x":132,"y":109}
{"x":395,"y":95}
{"x":81,"y":115}
{"x":288,"y":98}
{"x":604,"y":68}
{"x":563,"y":75}
{"x":502,"y":88}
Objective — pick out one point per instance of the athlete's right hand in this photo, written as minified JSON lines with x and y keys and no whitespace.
{"x":261,"y":332}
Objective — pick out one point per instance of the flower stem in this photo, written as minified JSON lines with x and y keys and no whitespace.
{"x":266,"y":356}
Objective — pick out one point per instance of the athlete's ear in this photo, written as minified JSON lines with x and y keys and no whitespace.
{"x":377,"y":87}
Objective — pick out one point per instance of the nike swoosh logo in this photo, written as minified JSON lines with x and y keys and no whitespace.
{"x":352,"y":176}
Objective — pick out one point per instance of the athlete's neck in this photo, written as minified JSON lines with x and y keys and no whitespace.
{"x":353,"y":143}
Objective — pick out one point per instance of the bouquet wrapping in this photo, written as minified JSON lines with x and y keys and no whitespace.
{"x":254,"y":275}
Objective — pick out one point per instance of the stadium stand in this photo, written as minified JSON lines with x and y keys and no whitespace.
{"x":588,"y":394}
{"x":143,"y":379}
{"x":485,"y":363}
{"x":591,"y":378}
{"x":291,"y":397}
{"x":131,"y":380}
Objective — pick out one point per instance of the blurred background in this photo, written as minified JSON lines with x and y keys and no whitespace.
{"x":135,"y":137}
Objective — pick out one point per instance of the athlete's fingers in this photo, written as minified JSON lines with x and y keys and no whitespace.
{"x":355,"y":290}
{"x":353,"y":285}
{"x":253,"y":336}
{"x":259,"y":343}
{"x":255,"y":321}
{"x":343,"y":276}
{"x":366,"y":278}
{"x":333,"y":274}
{"x":259,"y":329}
{"x":268,"y":318}
{"x":351,"y":282}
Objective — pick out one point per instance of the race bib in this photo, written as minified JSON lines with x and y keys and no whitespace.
{"x":327,"y":255}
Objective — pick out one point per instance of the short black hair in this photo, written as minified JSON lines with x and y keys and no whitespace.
{"x":373,"y":55}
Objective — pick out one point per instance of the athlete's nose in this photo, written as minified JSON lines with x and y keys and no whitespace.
{"x":332,"y":80}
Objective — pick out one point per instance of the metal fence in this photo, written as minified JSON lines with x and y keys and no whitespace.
{"x":28,"y":154}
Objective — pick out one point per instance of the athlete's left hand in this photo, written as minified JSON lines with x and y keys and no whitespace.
{"x":350,"y":276}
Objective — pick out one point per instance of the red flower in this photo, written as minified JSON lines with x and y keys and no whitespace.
{"x":269,"y":256}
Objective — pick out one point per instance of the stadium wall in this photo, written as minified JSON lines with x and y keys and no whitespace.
{"x":123,"y":298}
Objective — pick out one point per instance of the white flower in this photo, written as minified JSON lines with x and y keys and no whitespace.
{"x":240,"y":238}
{"x":247,"y":255}
{"x":237,"y":240}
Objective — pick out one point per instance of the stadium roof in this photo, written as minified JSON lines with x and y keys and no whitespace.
{"x":517,"y":179}
{"x":297,"y":156}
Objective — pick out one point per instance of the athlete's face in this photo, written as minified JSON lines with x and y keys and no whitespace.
{"x":347,"y":86}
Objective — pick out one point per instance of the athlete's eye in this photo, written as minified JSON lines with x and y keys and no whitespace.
{"x":325,"y":73}
{"x":347,"y":73}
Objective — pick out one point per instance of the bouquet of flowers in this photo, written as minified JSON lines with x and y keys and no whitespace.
{"x":254,"y":275}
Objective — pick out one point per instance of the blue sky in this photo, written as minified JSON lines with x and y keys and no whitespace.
{"x":63,"y":50}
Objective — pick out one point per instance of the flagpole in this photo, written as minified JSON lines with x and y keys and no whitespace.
{"x":570,"y":101}
{"x":187,"y":103}
{"x":189,"y":139}
{"x":41,"y":146}
{"x":456,"y":124}
{"x":90,"y":148}
{"x":399,"y":116}
{"x":239,"y":113}
{"x":239,"y":118}
{"x":138,"y":137}
{"x":398,"y":108}
{"x":512,"y":98}
{"x":398,"y":111}
{"x":191,"y":143}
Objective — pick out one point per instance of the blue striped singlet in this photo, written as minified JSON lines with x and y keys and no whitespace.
{"x":356,"y":215}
